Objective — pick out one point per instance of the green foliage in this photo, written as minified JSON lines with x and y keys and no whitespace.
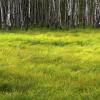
{"x":50,"y":65}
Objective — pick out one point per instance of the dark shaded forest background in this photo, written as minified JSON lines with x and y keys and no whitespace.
{"x":49,"y":13}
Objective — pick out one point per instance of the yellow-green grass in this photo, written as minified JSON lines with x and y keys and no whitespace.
{"x":50,"y":65}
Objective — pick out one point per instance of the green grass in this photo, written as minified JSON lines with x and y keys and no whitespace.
{"x":43,"y":64}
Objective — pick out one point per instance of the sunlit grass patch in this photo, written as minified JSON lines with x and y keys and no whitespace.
{"x":50,"y":65}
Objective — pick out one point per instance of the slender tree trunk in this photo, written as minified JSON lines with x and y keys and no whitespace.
{"x":8,"y":21}
{"x":2,"y":14}
{"x":86,"y":13}
{"x":57,"y":14}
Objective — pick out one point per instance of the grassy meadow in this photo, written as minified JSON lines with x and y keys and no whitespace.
{"x":44,"y":64}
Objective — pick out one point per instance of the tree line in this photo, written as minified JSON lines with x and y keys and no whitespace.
{"x":49,"y":13}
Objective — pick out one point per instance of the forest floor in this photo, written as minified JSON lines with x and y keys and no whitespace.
{"x":50,"y":65}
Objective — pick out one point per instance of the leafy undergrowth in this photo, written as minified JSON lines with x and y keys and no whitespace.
{"x":50,"y":65}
